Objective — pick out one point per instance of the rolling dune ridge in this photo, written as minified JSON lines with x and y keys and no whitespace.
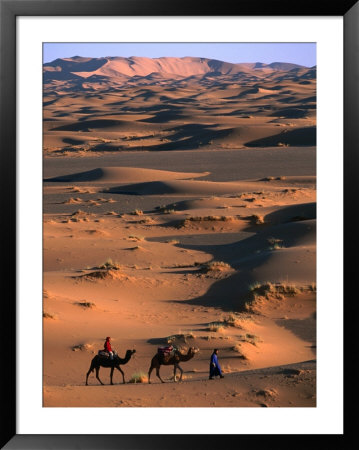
{"x":134,"y":104}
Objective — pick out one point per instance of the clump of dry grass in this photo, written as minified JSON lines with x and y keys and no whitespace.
{"x":268,"y":394}
{"x":216,"y":327}
{"x":79,"y":212}
{"x":257,"y":219}
{"x":198,"y":219}
{"x":210,"y":219}
{"x":270,"y":291}
{"x":146,"y":221}
{"x":215,"y":266}
{"x":136,"y":238}
{"x":111,"y":274}
{"x":172,"y":241}
{"x":46,"y":315}
{"x":109,"y":265}
{"x":137,"y":212}
{"x":88,"y":305}
{"x":180,"y":338}
{"x":139,"y":377}
{"x":82,"y":347}
{"x":72,"y":200}
{"x":80,"y":216}
{"x":232,"y":320}
{"x":276,"y":244}
{"x":166,"y":209}
{"x":249,"y":338}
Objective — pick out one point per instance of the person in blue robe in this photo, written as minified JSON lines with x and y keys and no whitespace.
{"x":214,"y":366}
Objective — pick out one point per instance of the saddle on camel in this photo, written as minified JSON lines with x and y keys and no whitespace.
{"x":166,"y":352}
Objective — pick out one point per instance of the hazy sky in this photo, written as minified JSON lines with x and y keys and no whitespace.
{"x":298,"y":53}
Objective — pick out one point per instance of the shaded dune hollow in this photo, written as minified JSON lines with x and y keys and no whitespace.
{"x":299,"y":137}
{"x":282,"y":251}
{"x":190,"y":188}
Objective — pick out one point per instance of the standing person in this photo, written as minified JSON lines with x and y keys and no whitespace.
{"x":108,"y":348}
{"x":214,"y":366}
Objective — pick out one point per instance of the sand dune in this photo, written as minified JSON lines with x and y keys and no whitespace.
{"x":167,"y":104}
{"x":300,"y":136}
{"x":141,"y":66}
{"x":192,"y":188}
{"x":123,"y":175}
{"x":293,"y":213}
{"x":164,"y":223}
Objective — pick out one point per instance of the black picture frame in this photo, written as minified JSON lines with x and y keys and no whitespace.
{"x":9,"y":10}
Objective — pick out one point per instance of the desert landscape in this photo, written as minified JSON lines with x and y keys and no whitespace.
{"x":179,"y":208}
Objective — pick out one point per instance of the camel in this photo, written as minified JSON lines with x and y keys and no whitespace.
{"x":172,"y":360}
{"x":103,"y":361}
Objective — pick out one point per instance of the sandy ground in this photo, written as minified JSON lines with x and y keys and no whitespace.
{"x":204,"y":247}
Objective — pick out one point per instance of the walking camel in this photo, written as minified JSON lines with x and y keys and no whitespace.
{"x":104,"y":361}
{"x":172,"y":360}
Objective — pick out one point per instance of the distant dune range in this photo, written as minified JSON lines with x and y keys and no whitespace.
{"x":96,"y":105}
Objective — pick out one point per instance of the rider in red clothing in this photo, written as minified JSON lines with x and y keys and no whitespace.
{"x":108,"y":348}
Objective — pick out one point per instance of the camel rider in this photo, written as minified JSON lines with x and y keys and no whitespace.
{"x":108,"y":348}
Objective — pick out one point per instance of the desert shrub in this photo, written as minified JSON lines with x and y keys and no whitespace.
{"x":136,"y":238}
{"x":81,"y":347}
{"x":137,"y":212}
{"x":232,"y":320}
{"x":172,"y":241}
{"x":180,"y":337}
{"x":85,"y":304}
{"x":276,"y":244}
{"x":257,"y":219}
{"x":138,"y":377}
{"x":109,"y":265}
{"x":46,"y":315}
{"x":216,"y":327}
{"x":269,"y":290}
{"x":215,"y":266}
{"x":250,"y":338}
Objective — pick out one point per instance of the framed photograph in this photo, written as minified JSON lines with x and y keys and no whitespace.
{"x":174,"y":179}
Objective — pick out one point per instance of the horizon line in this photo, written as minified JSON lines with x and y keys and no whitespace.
{"x":178,"y":57}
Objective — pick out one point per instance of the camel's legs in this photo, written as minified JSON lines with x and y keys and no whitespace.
{"x":181,"y":370}
{"x":158,"y":373}
{"x":111,"y":374}
{"x":123,"y":375}
{"x":97,"y":372}
{"x":149,"y":374}
{"x":88,"y":373}
{"x":174,"y":372}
